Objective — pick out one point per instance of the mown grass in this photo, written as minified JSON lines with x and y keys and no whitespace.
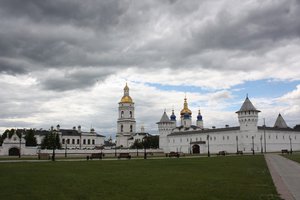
{"x":294,"y":157}
{"x":236,"y":177}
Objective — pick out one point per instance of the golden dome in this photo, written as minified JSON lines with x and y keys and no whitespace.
{"x":185,"y":108}
{"x":126,"y":99}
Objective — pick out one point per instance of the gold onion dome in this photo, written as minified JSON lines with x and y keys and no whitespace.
{"x":126,"y":98}
{"x":185,"y":109}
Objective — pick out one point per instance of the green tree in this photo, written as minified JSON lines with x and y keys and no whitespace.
{"x":51,"y":141}
{"x":147,"y":142}
{"x":30,"y":139}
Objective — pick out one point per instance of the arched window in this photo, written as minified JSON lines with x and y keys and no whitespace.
{"x":122,"y":114}
{"x":73,"y":141}
{"x":93,"y":141}
{"x":130,"y":128}
{"x":89,"y":141}
{"x":121,"y":127}
{"x":130,"y":113}
{"x":83,"y":141}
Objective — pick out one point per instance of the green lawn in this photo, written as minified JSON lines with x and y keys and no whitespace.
{"x":236,"y":177}
{"x":294,"y":156}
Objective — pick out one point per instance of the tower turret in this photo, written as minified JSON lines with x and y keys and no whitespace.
{"x":248,"y":116}
{"x":186,"y":115}
{"x":173,"y":118}
{"x":165,"y":127}
{"x":199,"y":120}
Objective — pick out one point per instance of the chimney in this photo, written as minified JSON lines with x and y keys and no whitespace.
{"x":226,"y":126}
{"x":74,"y":128}
{"x":58,"y":127}
{"x":213,"y":127}
{"x":79,"y":129}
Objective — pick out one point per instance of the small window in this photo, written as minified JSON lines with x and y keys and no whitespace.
{"x":180,"y":140}
{"x":63,"y":141}
{"x":223,"y":137}
{"x":122,"y":127}
{"x":89,"y":141}
{"x":130,"y":128}
{"x":130,"y":114}
{"x":73,"y":141}
{"x":173,"y":140}
{"x":68,"y":141}
{"x":227,"y":137}
{"x":83,"y":141}
{"x":295,"y":137}
{"x":187,"y":139}
{"x":269,"y":136}
{"x":93,"y":141}
{"x":214,"y":138}
{"x":122,"y":114}
{"x":276,"y":137}
{"x":283,"y":137}
{"x":78,"y":141}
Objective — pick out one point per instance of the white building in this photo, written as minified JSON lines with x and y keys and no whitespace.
{"x":188,"y":138}
{"x":126,"y":124}
{"x":69,"y":139}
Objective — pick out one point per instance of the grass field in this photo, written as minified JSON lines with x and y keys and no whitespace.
{"x":294,"y":156}
{"x":236,"y":177}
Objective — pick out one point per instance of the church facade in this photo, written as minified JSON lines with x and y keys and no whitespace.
{"x":247,"y":138}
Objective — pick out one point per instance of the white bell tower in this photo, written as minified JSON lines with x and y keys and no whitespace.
{"x":126,"y":124}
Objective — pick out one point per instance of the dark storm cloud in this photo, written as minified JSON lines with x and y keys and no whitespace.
{"x":114,"y":35}
{"x":74,"y":79}
{"x":11,"y":67}
{"x":260,"y":27}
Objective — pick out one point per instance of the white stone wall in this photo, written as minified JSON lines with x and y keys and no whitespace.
{"x":227,"y":141}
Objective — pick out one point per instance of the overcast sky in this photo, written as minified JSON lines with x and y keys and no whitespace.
{"x":66,"y":62}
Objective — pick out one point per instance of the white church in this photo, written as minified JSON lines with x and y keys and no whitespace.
{"x":246,"y":138}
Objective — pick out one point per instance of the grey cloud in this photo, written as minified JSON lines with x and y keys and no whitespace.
{"x":261,"y":27}
{"x":120,"y":34}
{"x":74,"y":80}
{"x":12,"y":67}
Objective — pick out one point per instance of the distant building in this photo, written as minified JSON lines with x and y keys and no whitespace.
{"x":69,"y":139}
{"x":247,"y":137}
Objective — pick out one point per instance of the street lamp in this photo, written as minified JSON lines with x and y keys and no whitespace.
{"x":237,"y":144}
{"x":144,"y":144}
{"x":20,"y":144}
{"x":291,"y":149}
{"x":253,"y":145}
{"x":265,"y":142}
{"x":66,"y":147}
{"x":53,"y":135}
{"x":261,"y":146}
{"x":208,"y":153}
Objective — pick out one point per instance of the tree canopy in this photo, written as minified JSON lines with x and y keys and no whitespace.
{"x":51,"y":141}
{"x":147,"y":142}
